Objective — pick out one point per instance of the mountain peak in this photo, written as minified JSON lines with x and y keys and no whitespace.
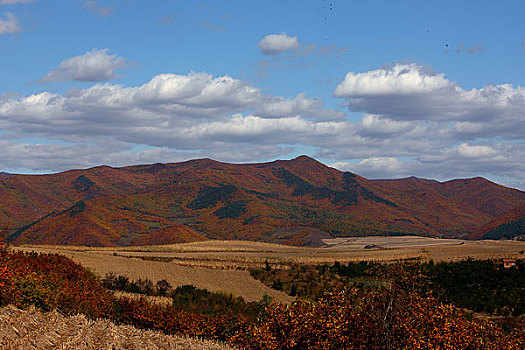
{"x":304,"y":157}
{"x":304,"y":160}
{"x":203,"y":162}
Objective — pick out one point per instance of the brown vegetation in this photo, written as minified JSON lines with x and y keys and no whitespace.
{"x":399,"y":315}
{"x":224,"y":265}
{"x":32,"y":329}
{"x":238,"y":282}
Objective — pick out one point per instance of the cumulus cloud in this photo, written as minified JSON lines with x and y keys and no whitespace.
{"x":475,"y":151}
{"x":9,"y":24}
{"x":413,"y":92}
{"x":371,"y":125}
{"x":170,"y":110}
{"x":306,"y":107}
{"x":97,"y":8}
{"x":54,"y":156}
{"x":95,"y":65}
{"x":399,"y":79}
{"x":374,"y":167}
{"x":418,"y":122}
{"x":274,"y":44}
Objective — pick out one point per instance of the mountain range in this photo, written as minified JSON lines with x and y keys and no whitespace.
{"x":298,"y":201}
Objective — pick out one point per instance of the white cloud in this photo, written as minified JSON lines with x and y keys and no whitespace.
{"x":375,"y":167}
{"x":97,"y":8}
{"x":499,"y":162}
{"x":411,"y":92}
{"x":95,"y":65}
{"x":475,"y":151}
{"x":10,"y":24}
{"x":54,"y":156}
{"x":9,"y":2}
{"x":397,"y":80}
{"x":306,"y":107}
{"x":259,"y":130}
{"x":166,"y":111}
{"x":274,"y":44}
{"x":382,"y":164}
{"x":376,"y":125}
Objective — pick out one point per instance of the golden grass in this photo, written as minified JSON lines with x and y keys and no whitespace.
{"x":237,"y":282}
{"x":32,"y":329}
{"x":158,"y":300}
{"x":224,"y":265}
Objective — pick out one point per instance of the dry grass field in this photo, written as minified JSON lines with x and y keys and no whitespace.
{"x":238,"y":282}
{"x":32,"y":329}
{"x":224,"y":265}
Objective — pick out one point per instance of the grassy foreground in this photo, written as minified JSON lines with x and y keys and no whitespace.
{"x":397,"y":316}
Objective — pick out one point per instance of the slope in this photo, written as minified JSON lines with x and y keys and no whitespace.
{"x":509,"y":225}
{"x":296,"y":201}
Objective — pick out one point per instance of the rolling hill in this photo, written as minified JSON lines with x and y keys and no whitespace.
{"x":509,"y":225}
{"x":298,"y":201}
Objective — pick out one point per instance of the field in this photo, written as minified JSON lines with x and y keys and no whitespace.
{"x":224,"y":265}
{"x":32,"y":329}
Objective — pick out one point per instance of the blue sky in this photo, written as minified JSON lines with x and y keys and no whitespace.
{"x":382,"y":88}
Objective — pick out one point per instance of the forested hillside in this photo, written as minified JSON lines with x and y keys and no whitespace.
{"x":298,"y":202}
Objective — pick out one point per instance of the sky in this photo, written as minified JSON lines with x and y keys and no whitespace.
{"x":385,"y":89}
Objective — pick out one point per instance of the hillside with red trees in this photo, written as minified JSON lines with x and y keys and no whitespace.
{"x":204,"y":199}
{"x":509,"y":225}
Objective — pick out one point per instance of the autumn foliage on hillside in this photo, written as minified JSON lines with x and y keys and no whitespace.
{"x":5,"y":273}
{"x":202,"y":199}
{"x":509,"y":225}
{"x":400,"y":316}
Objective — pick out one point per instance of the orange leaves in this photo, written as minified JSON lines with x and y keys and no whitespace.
{"x":53,"y":281}
{"x":374,"y":320}
{"x":4,"y":275}
{"x":397,"y":317}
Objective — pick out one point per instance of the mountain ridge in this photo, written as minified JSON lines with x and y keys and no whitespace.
{"x":510,"y":225}
{"x":206,"y":199}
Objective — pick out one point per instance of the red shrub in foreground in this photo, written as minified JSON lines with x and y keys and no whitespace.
{"x":398,"y":317}
{"x":385,"y":320}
